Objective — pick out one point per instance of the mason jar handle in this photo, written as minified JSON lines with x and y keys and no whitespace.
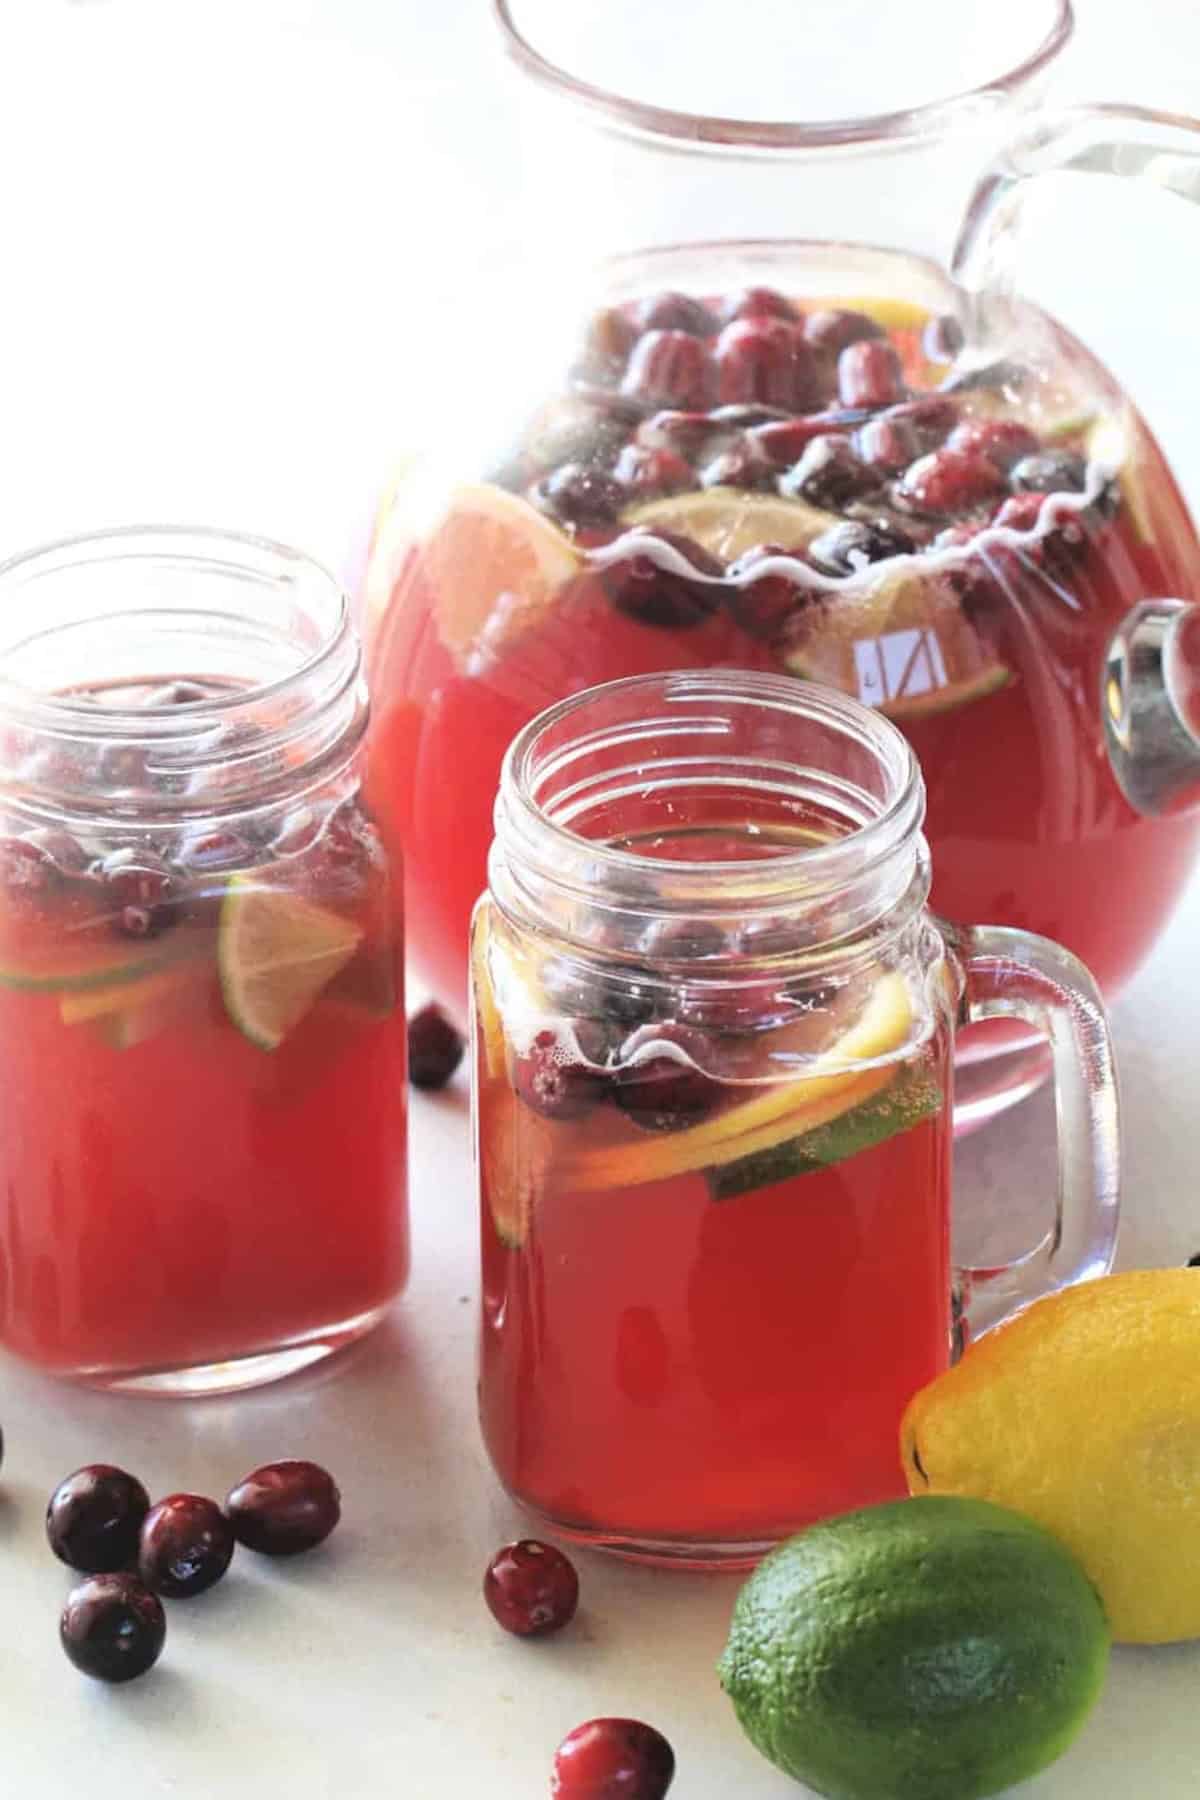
{"x":1015,"y":974}
{"x":1154,"y":753}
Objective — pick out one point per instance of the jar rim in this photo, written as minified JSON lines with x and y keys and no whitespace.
{"x":568,"y":862}
{"x":715,"y":131}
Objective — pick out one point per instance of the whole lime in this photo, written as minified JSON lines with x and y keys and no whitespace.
{"x":941,"y":1647}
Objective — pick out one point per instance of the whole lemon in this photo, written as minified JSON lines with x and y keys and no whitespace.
{"x":1083,"y":1413}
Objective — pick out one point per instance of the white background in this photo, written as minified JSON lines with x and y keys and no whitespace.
{"x":222,"y":225}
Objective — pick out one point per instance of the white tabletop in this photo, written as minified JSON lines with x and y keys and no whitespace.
{"x":202,"y":316}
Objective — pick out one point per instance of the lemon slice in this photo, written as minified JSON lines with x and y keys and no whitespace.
{"x":487,"y":1013}
{"x":275,"y":953}
{"x":727,"y":522}
{"x":822,"y":1094}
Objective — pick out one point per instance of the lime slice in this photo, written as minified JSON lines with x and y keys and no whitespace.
{"x":830,"y":1086}
{"x":727,"y":522}
{"x":58,"y":968}
{"x":275,"y":953}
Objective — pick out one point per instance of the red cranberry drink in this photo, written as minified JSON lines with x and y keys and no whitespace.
{"x":200,"y":1024}
{"x":780,"y":480}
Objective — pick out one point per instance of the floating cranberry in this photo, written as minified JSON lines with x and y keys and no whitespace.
{"x":1002,"y":441}
{"x":619,"y":998}
{"x":640,"y":586}
{"x":762,"y":605}
{"x":847,"y":548}
{"x":683,"y":940}
{"x":670,"y":369}
{"x":139,"y":890}
{"x":1055,"y":550}
{"x":665,"y":1090}
{"x":531,"y":1588}
{"x":613,"y":1759}
{"x":739,"y":464}
{"x":950,"y":481}
{"x":931,"y":416}
{"x":65,"y":852}
{"x":828,"y":473}
{"x":766,"y":360}
{"x":435,"y":1048}
{"x":95,"y":1517}
{"x":942,"y":338}
{"x":1050,"y":472}
{"x":185,"y":1546}
{"x":683,"y":433}
{"x":758,"y":303}
{"x":577,"y":494}
{"x":647,"y":474}
{"x":674,"y":312}
{"x":112,"y":1627}
{"x":610,"y":336}
{"x":284,"y":1508}
{"x":551,"y":1080}
{"x":888,"y":443}
{"x":123,"y":766}
{"x":869,"y":374}
{"x":784,"y":441}
{"x":1020,"y":512}
{"x":834,"y":329}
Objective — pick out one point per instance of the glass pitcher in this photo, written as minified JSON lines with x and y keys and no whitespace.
{"x":726,"y":406}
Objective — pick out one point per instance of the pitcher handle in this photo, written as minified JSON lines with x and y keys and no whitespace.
{"x":1154,"y":752}
{"x":1014,"y":974}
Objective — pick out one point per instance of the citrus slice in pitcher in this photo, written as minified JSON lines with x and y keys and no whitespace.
{"x":275,"y":953}
{"x":727,"y":522}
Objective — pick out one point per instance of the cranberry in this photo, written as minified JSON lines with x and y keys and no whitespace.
{"x":668,"y":1092}
{"x":185,"y":1547}
{"x":869,"y":374}
{"x":48,"y":849}
{"x":683,"y":940}
{"x":783,"y":441}
{"x":435,"y":1048}
{"x":834,"y":329}
{"x":94,"y":1518}
{"x":670,"y":369}
{"x":140,"y":890}
{"x":942,"y":338}
{"x":1050,"y":472}
{"x":284,"y":1508}
{"x":931,"y":416}
{"x":674,"y":312}
{"x":950,"y":481}
{"x":123,"y":766}
{"x":758,"y":303}
{"x":762,"y":607}
{"x":847,"y":548}
{"x":1020,"y":512}
{"x":576,"y":494}
{"x":683,"y":433}
{"x":639,"y":586}
{"x":1002,"y":441}
{"x":828,"y":474}
{"x":531,"y":1588}
{"x":610,"y":336}
{"x":646,"y":474}
{"x":551,"y":1080}
{"x":112,"y":1627}
{"x":1055,"y":551}
{"x":740,"y":464}
{"x":623,"y":998}
{"x":888,"y":443}
{"x":613,"y":1759}
{"x":765,"y":360}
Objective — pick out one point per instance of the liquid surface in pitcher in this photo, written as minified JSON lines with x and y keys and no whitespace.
{"x":780,"y":479}
{"x":203,"y":1044}
{"x":715,"y":1234}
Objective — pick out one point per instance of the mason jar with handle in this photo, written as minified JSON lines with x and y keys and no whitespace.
{"x":734,"y":397}
{"x":713,"y":1027}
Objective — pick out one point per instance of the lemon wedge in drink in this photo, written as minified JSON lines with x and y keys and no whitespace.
{"x":830,"y":1086}
{"x":275,"y":953}
{"x":727,"y":522}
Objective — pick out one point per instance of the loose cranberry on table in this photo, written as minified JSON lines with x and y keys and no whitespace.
{"x":531,"y":1588}
{"x":94,"y":1518}
{"x":185,"y":1547}
{"x":284,"y":1507}
{"x":613,"y":1759}
{"x":112,"y":1627}
{"x":435,"y":1048}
